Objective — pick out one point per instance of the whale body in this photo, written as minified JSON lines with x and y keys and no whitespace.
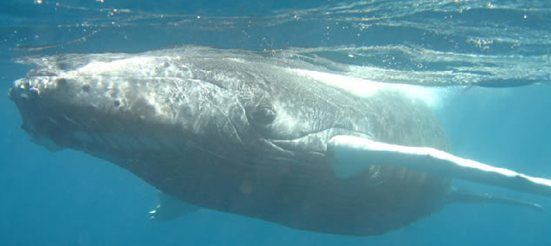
{"x":259,"y":136}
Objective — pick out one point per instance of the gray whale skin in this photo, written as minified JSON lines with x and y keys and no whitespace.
{"x":242,"y":133}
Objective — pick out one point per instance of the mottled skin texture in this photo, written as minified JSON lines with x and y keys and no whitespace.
{"x":216,"y":129}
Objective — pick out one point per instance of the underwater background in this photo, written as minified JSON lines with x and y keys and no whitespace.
{"x":504,"y":47}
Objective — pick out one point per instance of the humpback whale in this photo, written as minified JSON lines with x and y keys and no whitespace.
{"x":259,"y":136}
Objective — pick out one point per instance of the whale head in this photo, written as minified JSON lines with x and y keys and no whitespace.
{"x":123,"y":107}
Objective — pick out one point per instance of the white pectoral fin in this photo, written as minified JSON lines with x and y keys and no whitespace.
{"x":170,"y":208}
{"x":352,"y":155}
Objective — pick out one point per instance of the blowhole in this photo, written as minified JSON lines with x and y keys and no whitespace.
{"x":86,"y":88}
{"x":117,"y":103}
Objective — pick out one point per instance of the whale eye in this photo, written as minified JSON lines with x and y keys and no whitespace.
{"x":263,"y":114}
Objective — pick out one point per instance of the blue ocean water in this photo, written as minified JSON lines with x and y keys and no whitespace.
{"x":69,"y":198}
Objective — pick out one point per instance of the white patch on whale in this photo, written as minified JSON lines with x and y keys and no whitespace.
{"x":430,"y":96}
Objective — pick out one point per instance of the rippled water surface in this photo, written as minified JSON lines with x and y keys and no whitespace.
{"x":494,"y":43}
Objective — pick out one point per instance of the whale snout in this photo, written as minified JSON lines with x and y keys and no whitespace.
{"x":25,"y":93}
{"x":35,"y":84}
{"x":95,"y":114}
{"x":46,"y":103}
{"x":21,"y":90}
